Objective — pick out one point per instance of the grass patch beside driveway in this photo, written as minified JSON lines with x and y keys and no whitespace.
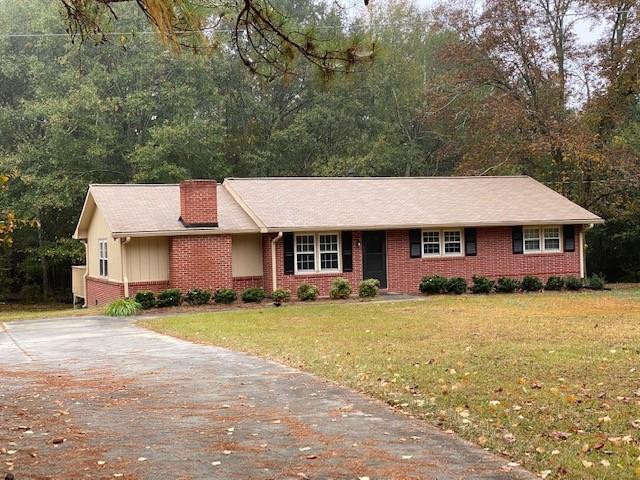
{"x":550,"y":380}
{"x":29,"y":311}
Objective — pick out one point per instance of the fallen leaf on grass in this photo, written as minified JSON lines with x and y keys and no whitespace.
{"x":605,"y":463}
{"x":587,"y":464}
{"x":635,"y":423}
{"x":509,"y":438}
{"x":545,"y":473}
{"x":558,"y":435}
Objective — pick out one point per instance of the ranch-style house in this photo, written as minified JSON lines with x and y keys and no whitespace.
{"x":281,"y":232}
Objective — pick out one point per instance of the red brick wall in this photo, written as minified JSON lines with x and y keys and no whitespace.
{"x":495,"y":259}
{"x":200,"y":261}
{"x":154,"y":286}
{"x":198,"y":202}
{"x":100,"y":291}
{"x":320,"y":280}
{"x":242,"y":283}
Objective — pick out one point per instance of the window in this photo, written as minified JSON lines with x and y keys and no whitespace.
{"x":319,"y":252}
{"x":542,"y":239}
{"x":431,"y":243}
{"x":436,"y":243}
{"x":531,"y":239}
{"x":103,"y":258}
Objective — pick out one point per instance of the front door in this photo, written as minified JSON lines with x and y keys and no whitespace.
{"x":374,"y":256}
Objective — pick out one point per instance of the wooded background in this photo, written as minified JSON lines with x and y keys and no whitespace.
{"x":508,"y":89}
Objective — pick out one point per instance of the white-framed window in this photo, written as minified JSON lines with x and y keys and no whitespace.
{"x":317,"y":252}
{"x":542,"y":239}
{"x":103,"y":258}
{"x":445,"y":242}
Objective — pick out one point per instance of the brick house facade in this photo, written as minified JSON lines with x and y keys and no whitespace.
{"x":216,"y":236}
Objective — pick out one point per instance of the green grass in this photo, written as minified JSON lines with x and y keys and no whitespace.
{"x":550,"y":380}
{"x":19,"y":311}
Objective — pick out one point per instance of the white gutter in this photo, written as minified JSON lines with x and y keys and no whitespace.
{"x":274,"y":269}
{"x":86,"y":273}
{"x":123,"y":265}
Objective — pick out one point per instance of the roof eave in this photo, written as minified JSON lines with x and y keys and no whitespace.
{"x":183,"y":232}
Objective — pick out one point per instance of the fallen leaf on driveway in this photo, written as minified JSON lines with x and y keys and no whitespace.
{"x":304,"y":449}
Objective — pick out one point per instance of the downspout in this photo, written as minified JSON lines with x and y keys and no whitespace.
{"x":583,"y":259}
{"x":123,"y":265}
{"x":274,"y":269}
{"x":86,"y":272}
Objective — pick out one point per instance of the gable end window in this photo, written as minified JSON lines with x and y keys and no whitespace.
{"x":103,"y":258}
{"x":437,"y":243}
{"x":317,"y":252}
{"x":542,"y":239}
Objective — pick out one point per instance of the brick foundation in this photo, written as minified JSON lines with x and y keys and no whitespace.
{"x":242,"y":283}
{"x":154,"y":286}
{"x":101,"y":291}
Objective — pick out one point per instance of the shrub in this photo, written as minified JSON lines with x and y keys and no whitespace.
{"x":573,"y":283}
{"x":596,"y":282}
{"x":197,"y":296}
{"x":253,"y":295}
{"x":340,"y":288}
{"x":369,"y":288}
{"x":432,"y":284}
{"x":171,"y":297}
{"x":457,"y":285}
{"x":482,"y":284}
{"x":507,"y":285}
{"x":280,"y":295}
{"x":146,"y":299}
{"x":123,"y":308}
{"x":225,"y":296}
{"x":30,"y":293}
{"x":554,"y":283}
{"x":531,"y":284}
{"x":307,"y":291}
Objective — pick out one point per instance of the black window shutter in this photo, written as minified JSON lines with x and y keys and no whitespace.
{"x":470,"y":246}
{"x":516,"y":238}
{"x":569,"y":234}
{"x":415,"y":243}
{"x":347,"y":251}
{"x":289,"y":257}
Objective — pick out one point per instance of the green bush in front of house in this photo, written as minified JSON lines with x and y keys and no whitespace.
{"x":197,"y":296}
{"x":146,"y":299}
{"x":369,"y":288}
{"x":253,"y":295}
{"x":340,"y":288}
{"x":432,"y":284}
{"x":171,"y":297}
{"x":507,"y":285}
{"x":123,"y":308}
{"x":281,"y":295}
{"x":554,"y":283}
{"x":595,"y":282}
{"x":307,"y":292}
{"x":531,"y":284}
{"x":457,"y":285}
{"x":573,"y":283}
{"x":225,"y":296}
{"x":482,"y":284}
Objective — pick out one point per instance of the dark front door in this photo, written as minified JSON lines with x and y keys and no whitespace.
{"x":374,"y":256}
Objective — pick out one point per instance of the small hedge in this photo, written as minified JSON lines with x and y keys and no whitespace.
{"x":146,"y":299}
{"x":197,"y":296}
{"x":595,"y":282}
{"x":281,"y":295}
{"x":531,"y":284}
{"x":307,"y":292}
{"x":253,"y":295}
{"x":482,"y":284}
{"x":123,"y":308}
{"x":554,"y":283}
{"x":456,"y":285}
{"x":507,"y":285}
{"x":432,"y":284}
{"x":369,"y":288}
{"x":340,"y":288}
{"x":171,"y":297}
{"x":573,"y":283}
{"x":224,"y":296}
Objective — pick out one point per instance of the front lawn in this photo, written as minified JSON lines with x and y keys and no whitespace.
{"x":550,"y":380}
{"x":20,"y":311}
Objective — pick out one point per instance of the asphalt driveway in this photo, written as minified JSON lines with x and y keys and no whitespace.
{"x":99,"y":398}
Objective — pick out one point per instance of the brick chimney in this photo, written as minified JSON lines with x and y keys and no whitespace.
{"x":199,"y":203}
